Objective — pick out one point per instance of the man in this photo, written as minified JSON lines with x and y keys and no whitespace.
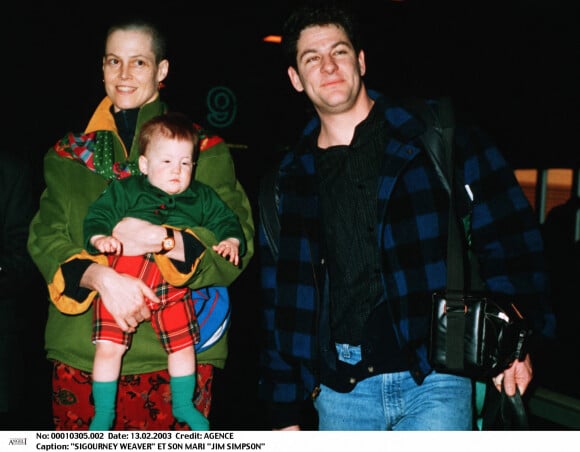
{"x":362,"y":247}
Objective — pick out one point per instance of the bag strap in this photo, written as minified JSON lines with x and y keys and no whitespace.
{"x":454,"y":296}
{"x":438,"y":141}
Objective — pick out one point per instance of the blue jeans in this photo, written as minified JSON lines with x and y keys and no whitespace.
{"x":394,"y":401}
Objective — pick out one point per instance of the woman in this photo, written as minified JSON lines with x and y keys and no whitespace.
{"x":77,"y":169}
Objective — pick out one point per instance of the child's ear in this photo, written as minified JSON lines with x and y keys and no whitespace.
{"x":143,"y":164}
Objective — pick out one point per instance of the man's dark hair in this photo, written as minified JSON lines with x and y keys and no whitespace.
{"x":309,"y":15}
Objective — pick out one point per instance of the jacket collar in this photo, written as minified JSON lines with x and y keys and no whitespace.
{"x":103,"y":119}
{"x":402,"y":124}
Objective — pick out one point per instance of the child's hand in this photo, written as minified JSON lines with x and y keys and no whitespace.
{"x":107,"y":244}
{"x":229,"y":249}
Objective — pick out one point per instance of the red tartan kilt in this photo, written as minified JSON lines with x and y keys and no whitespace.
{"x":145,"y":268}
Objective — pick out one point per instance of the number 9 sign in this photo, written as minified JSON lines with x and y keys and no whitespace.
{"x":221,"y":103}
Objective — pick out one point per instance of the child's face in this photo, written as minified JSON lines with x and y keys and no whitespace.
{"x":168,"y":164}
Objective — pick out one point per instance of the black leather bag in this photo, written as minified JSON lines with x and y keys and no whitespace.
{"x":474,"y":336}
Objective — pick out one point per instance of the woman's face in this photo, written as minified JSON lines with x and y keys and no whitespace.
{"x":130,"y":73}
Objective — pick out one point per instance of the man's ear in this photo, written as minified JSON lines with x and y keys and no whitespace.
{"x":362,"y":63}
{"x":295,"y":79}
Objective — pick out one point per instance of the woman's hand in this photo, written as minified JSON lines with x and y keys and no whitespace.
{"x":123,"y":295}
{"x":139,"y":237}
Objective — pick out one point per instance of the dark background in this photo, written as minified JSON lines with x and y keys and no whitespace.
{"x":511,"y":66}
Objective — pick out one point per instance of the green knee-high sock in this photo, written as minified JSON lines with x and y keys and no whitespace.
{"x":183,"y":408}
{"x":104,"y":394}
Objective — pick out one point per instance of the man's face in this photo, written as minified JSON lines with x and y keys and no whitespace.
{"x":328,"y":69}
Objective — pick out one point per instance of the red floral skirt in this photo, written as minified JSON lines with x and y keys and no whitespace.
{"x":143,"y":400}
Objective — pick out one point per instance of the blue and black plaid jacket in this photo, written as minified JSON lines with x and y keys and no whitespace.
{"x":412,"y":234}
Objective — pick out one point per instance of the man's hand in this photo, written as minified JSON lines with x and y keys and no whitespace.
{"x":519,"y":374}
{"x":123,"y":295}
